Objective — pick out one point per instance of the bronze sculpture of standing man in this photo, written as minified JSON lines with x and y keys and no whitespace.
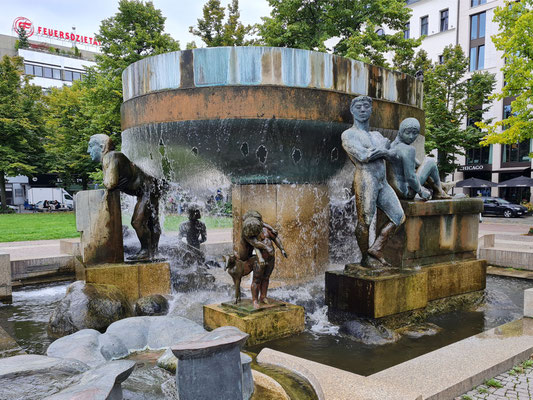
{"x":368,"y":151}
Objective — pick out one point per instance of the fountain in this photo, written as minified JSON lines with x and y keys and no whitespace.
{"x":268,"y":118}
{"x":269,"y":121}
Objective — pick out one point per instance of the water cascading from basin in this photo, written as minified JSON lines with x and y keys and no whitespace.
{"x":268,"y":119}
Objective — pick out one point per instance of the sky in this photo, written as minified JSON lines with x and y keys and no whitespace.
{"x":86,"y":15}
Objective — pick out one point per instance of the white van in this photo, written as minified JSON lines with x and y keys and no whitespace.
{"x":52,"y":193}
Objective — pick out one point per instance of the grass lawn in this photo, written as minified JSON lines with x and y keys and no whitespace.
{"x":61,"y":225}
{"x":38,"y":226}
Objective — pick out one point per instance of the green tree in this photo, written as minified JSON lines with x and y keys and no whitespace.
{"x":21,"y":124}
{"x":515,"y":40}
{"x":449,"y":99}
{"x":93,"y":105}
{"x":136,"y":31}
{"x":411,"y":65}
{"x":68,"y":133}
{"x":360,"y":26}
{"x":22,"y":42}
{"x":215,"y":32}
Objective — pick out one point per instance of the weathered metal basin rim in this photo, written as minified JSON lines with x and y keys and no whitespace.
{"x":258,"y":114}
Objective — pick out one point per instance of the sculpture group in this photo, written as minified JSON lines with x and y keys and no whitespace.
{"x":385,"y":172}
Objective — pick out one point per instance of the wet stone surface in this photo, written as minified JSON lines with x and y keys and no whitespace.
{"x":516,"y":383}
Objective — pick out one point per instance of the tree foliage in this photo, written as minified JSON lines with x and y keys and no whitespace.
{"x":136,"y":31}
{"x":515,"y":40}
{"x":449,"y":99}
{"x":308,"y":25}
{"x":215,"y":32}
{"x":21,"y":124}
{"x":23,"y":42}
{"x":92,"y":105}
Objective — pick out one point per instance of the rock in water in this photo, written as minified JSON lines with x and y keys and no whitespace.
{"x":368,"y":333}
{"x":151,"y":305}
{"x":415,"y":331}
{"x":88,"y":305}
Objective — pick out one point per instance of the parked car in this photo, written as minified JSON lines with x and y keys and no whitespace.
{"x":497,"y":206}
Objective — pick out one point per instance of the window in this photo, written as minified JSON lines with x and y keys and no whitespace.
{"x":47,"y":72}
{"x":444,"y":20}
{"x":477,"y":26}
{"x":516,"y":152}
{"x":477,"y":58}
{"x":76,"y":76}
{"x":474,"y":3}
{"x":67,"y":76}
{"x":478,"y":155}
{"x":380,"y":32}
{"x":424,"y":25}
{"x":407,"y":31}
{"x":28,"y":69}
{"x":441,"y":59}
{"x":37,"y":71}
{"x":56,"y":73}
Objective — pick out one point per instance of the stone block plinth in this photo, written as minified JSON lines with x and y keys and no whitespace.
{"x":435,"y":231}
{"x":5,"y":278}
{"x":99,"y":219}
{"x":376,"y":296}
{"x":135,"y":280}
{"x":300,"y":213}
{"x":277,"y":320}
{"x":371,"y":294}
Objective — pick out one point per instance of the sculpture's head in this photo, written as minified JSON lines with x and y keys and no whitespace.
{"x":252,"y":227}
{"x":361,"y":108}
{"x":252,"y":214}
{"x":99,"y":145}
{"x":409,"y":130}
{"x":194,"y":212}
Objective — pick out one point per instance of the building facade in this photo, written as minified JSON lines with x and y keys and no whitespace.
{"x":52,"y":63}
{"x":469,"y":23}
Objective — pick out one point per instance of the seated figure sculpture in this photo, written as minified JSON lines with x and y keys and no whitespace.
{"x":193,"y":230}
{"x":121,"y":174}
{"x":407,"y":176}
{"x":368,"y":151}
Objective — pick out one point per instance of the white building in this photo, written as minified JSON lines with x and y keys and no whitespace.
{"x":470,"y":24}
{"x":52,"y":63}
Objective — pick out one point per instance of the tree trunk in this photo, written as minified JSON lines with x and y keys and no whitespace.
{"x":3,"y":195}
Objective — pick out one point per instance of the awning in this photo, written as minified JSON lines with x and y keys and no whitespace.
{"x":521,"y":181}
{"x":511,"y":169}
{"x":475,"y":183}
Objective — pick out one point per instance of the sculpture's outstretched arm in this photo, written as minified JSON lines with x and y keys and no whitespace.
{"x":111,"y":172}
{"x":354,"y":148}
{"x":409,"y":169}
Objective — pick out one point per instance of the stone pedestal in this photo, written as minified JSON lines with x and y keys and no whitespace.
{"x":277,"y":320}
{"x":435,"y":231}
{"x":135,"y":280}
{"x":99,"y":219}
{"x":5,"y":278}
{"x":360,"y":291}
{"x":300,"y":213}
{"x":435,"y":252}
{"x":209,"y":366}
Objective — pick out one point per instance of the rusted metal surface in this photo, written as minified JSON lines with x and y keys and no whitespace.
{"x":257,"y":102}
{"x":260,"y":66}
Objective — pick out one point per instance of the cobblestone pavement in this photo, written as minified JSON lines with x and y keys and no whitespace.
{"x":514,"y":384}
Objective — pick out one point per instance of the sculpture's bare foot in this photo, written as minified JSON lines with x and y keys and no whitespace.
{"x":371,"y":262}
{"x":264,"y":301}
{"x":379,"y":257}
{"x":141,"y":255}
{"x":256,"y":304}
{"x":441,"y":195}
